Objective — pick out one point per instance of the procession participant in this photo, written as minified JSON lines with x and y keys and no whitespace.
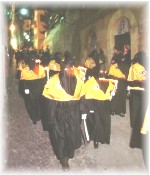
{"x":99,"y":58}
{"x":32,"y":81}
{"x":102,"y":59}
{"x":90,"y":65}
{"x":117,"y":55}
{"x":22,"y":59}
{"x":96,"y":106}
{"x":127,"y":55}
{"x":138,"y":101}
{"x":52,"y":69}
{"x":61,"y":108}
{"x":118,"y":70}
{"x":55,"y":64}
{"x":45,"y":58}
{"x":21,"y":65}
{"x":20,"y":56}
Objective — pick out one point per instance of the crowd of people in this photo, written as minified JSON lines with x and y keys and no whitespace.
{"x":61,"y":93}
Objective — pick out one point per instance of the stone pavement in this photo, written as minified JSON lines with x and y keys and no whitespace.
{"x":27,"y":147}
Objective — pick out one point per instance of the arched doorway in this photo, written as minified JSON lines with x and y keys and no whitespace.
{"x":122,"y":24}
{"x":123,"y":33}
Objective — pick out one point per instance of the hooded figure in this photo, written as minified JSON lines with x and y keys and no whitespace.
{"x":96,"y":106}
{"x":55,"y":64}
{"x":32,"y":81}
{"x":90,"y":65}
{"x":61,"y":112}
{"x":138,"y":102}
{"x":118,"y":70}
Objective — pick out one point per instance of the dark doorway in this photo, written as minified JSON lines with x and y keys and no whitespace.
{"x":121,"y":40}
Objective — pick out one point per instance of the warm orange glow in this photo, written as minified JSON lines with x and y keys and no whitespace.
{"x":12,"y":28}
{"x":14,"y":43}
{"x":35,"y":15}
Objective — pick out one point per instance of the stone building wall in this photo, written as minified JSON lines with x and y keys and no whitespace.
{"x":88,"y":29}
{"x":65,"y":36}
{"x":107,"y":27}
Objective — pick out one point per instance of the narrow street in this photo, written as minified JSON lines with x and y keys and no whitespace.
{"x":28,"y":147}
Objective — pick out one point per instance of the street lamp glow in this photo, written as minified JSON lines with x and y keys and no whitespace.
{"x":27,"y":37}
{"x":24,"y":11}
{"x":12,"y":28}
{"x":14,"y":43}
{"x":24,"y":33}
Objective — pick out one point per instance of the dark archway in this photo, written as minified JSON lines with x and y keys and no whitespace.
{"x":123,"y":39}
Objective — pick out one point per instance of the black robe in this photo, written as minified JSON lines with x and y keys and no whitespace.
{"x":33,"y":98}
{"x":99,"y":122}
{"x":138,"y":104}
{"x":96,"y":104}
{"x":118,"y":103}
{"x":138,"y":107}
{"x":61,"y":118}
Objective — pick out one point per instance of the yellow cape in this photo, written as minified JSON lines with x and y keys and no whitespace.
{"x":93,"y":90}
{"x":137,"y":72}
{"x":115,"y":71}
{"x":54,"y":66}
{"x":53,"y":90}
{"x":27,"y":74}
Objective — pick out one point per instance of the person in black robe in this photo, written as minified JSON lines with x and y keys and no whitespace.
{"x":31,"y":85}
{"x":138,"y":101}
{"x":127,"y":55}
{"x":119,"y":71}
{"x":99,"y":59}
{"x":55,"y":64}
{"x":96,"y":105}
{"x":61,"y":112}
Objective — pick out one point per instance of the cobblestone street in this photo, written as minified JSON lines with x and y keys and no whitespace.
{"x":28,"y":147}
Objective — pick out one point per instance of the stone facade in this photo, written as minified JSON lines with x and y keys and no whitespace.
{"x":65,"y":36}
{"x":88,"y":29}
{"x":105,"y":29}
